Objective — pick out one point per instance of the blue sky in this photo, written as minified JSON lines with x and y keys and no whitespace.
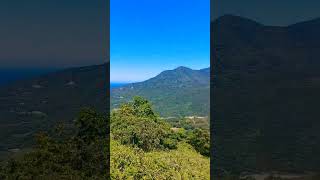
{"x":149,"y":36}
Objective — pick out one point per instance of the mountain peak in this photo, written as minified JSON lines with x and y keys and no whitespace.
{"x":180,"y":91}
{"x":182,"y":68}
{"x":234,"y":20}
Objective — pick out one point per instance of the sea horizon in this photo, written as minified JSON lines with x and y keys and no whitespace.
{"x":117,"y":84}
{"x":10,"y":75}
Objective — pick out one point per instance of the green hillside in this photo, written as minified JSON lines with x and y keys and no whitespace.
{"x":143,"y":146}
{"x":173,"y":93}
{"x":182,"y":163}
{"x":39,"y":103}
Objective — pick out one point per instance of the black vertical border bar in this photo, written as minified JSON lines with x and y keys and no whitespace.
{"x":212,"y":132}
{"x":107,"y":56}
{"x":210,"y":114}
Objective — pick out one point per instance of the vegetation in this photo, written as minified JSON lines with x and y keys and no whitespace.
{"x":182,"y":163}
{"x":190,"y":123}
{"x":136,"y":124}
{"x":37,"y":103}
{"x":83,"y":155}
{"x":143,"y":146}
{"x":173,"y":93}
{"x":200,"y":140}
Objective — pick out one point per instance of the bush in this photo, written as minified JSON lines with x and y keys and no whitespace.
{"x":183,"y":163}
{"x":136,"y":124}
{"x":145,"y":147}
{"x":200,"y":140}
{"x":80,"y":156}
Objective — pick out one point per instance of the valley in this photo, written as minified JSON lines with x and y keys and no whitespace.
{"x":42,"y":102}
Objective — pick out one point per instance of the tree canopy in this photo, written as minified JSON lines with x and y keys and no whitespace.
{"x":141,"y":146}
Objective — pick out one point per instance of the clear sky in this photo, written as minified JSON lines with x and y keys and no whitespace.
{"x":149,"y":36}
{"x":53,"y":33}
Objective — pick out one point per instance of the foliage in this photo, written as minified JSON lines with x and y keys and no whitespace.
{"x":143,"y":146}
{"x":136,"y":124}
{"x":200,"y":140}
{"x":183,"y":163}
{"x":26,"y":110}
{"x":174,"y":93}
{"x":190,"y":123}
{"x":81,"y":156}
{"x":91,"y":125}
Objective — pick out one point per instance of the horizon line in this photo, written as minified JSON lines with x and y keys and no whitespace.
{"x":142,"y":80}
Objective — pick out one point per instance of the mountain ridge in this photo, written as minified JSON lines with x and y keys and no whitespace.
{"x":236,"y":18}
{"x":169,"y":85}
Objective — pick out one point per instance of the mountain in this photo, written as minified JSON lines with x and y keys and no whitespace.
{"x":266,"y":95}
{"x":174,"y":93}
{"x":250,"y":45}
{"x":34,"y":104}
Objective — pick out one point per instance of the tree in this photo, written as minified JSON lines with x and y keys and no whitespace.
{"x":83,"y":155}
{"x":200,"y":140}
{"x":135,"y":123}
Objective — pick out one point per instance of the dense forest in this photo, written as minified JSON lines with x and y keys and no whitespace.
{"x":142,"y":145}
{"x":82,"y":155}
{"x":173,"y":93}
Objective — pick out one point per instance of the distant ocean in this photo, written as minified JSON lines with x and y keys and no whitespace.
{"x":115,"y":85}
{"x":11,"y":75}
